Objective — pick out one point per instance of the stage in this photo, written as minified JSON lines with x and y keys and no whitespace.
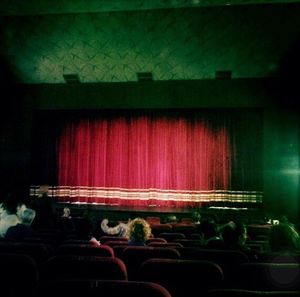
{"x":246,"y":212}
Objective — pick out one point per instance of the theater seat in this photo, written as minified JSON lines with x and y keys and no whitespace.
{"x":18,"y":272}
{"x":104,"y":288}
{"x":134,"y":256}
{"x":85,"y":250}
{"x":83,"y":267}
{"x":249,"y":293}
{"x":268,"y":276}
{"x":182,"y":277}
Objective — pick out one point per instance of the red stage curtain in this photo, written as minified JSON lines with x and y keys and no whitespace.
{"x":150,"y":158}
{"x":143,"y":153}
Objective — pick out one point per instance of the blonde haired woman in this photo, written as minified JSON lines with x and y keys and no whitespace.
{"x":138,"y":232}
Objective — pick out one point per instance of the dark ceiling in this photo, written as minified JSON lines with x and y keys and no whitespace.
{"x":112,"y":41}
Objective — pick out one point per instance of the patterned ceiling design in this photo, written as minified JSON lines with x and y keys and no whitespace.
{"x":173,"y":44}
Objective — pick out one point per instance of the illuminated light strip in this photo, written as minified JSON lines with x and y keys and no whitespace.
{"x":152,"y":194}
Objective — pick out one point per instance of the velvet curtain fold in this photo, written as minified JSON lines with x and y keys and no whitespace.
{"x":150,"y":158}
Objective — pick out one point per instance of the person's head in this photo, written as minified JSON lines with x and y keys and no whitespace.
{"x":20,"y":208}
{"x":27,"y":216}
{"x":138,"y":230}
{"x":66,"y":212}
{"x":208,"y":229}
{"x":196,"y":216}
{"x":234,"y":234}
{"x":171,"y":218}
{"x":43,"y":190}
{"x":284,"y":237}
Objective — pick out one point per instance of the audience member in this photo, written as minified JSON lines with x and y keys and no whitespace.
{"x":83,"y":230}
{"x":139,"y":231}
{"x":44,"y":205}
{"x":20,"y":208}
{"x":234,"y":236}
{"x":66,"y":213}
{"x":8,"y":217}
{"x":119,"y":230}
{"x":284,"y":238}
{"x":196,"y":216}
{"x":208,"y":230}
{"x":23,"y":229}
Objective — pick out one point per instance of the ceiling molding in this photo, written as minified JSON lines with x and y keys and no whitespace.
{"x":38,"y":7}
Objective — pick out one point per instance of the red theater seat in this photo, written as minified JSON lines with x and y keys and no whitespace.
{"x":106,"y":288}
{"x":134,"y":256}
{"x":85,"y":250}
{"x":182,"y":277}
{"x":19,"y":273}
{"x":249,"y":293}
{"x":83,"y":267}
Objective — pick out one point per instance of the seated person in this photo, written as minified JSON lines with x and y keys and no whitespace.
{"x":139,"y":231}
{"x":209,"y":233}
{"x":234,"y":236}
{"x":45,"y":207}
{"x":8,"y":217}
{"x":20,"y":208}
{"x":83,"y":231}
{"x":66,"y":213}
{"x":119,"y":230}
{"x":23,"y":229}
{"x":284,"y":238}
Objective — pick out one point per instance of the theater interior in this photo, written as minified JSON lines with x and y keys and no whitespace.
{"x":168,"y":110}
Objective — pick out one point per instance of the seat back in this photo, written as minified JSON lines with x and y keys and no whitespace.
{"x":107,"y":288}
{"x":83,"y":267}
{"x":249,"y":293}
{"x":268,"y":276}
{"x":85,"y":250}
{"x":182,"y":277}
{"x":228,"y":260}
{"x":165,"y":244}
{"x":103,"y":239}
{"x":19,"y":274}
{"x":134,"y":256}
{"x":40,"y":252}
{"x":171,"y":236}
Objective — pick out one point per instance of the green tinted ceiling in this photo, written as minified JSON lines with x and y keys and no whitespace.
{"x":174,"y":44}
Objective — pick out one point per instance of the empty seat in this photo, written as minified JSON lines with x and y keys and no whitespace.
{"x":228,"y":260}
{"x":107,"y":288}
{"x":160,"y":228}
{"x":85,"y":250}
{"x":171,"y":236}
{"x":155,"y":239}
{"x":153,"y":220}
{"x":275,"y":257}
{"x":118,"y":250}
{"x":85,"y":267}
{"x":113,"y":243}
{"x":187,"y":221}
{"x":190,"y":242}
{"x":38,"y":251}
{"x":165,"y":244}
{"x":268,"y":276}
{"x":103,"y":239}
{"x":19,"y":271}
{"x":186,"y":229}
{"x":249,"y":293}
{"x":134,"y":256}
{"x":182,"y":277}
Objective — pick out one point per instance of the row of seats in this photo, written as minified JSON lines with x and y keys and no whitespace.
{"x":179,"y":277}
{"x":151,"y":264}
